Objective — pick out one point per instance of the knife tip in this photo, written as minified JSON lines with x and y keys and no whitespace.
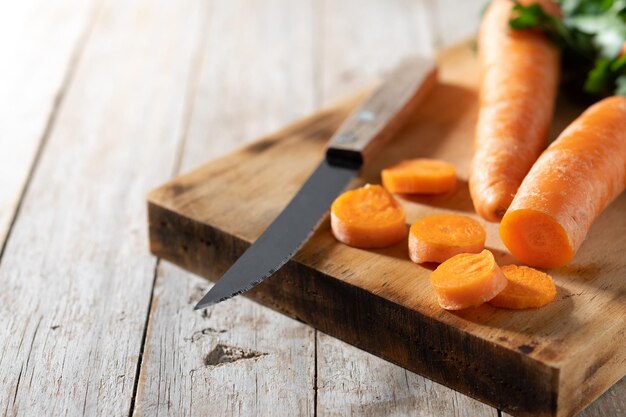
{"x":200,"y":306}
{"x":204,"y":303}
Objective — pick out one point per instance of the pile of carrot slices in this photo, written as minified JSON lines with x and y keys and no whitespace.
{"x":469,"y":280}
{"x":371,"y":217}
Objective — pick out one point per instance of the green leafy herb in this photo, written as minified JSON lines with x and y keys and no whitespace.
{"x":592,"y":35}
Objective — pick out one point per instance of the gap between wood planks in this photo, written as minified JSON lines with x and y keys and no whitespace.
{"x":142,"y":347}
{"x":315,"y":374}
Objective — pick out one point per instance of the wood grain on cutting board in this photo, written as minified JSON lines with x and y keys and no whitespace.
{"x":551,"y":361}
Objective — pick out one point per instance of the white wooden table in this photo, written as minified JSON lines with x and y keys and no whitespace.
{"x":102,"y":100}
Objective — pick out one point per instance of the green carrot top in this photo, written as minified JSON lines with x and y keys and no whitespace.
{"x":592,"y":36}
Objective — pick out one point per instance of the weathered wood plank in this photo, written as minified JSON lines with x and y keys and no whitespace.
{"x":257,"y":74}
{"x":358,"y":383}
{"x":611,"y":403}
{"x":252,"y":79}
{"x":76,"y":278}
{"x":453,"y":21}
{"x":237,"y":358}
{"x":39,"y":41}
{"x":360,"y":40}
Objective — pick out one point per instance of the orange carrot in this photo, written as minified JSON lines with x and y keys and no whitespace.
{"x":467,"y":280}
{"x":526,"y":288}
{"x":568,"y":187}
{"x":367,"y":217}
{"x":420,"y":176}
{"x":520,"y":79}
{"x":440,"y":237}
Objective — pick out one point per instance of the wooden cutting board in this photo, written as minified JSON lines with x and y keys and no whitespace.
{"x":548,"y":362}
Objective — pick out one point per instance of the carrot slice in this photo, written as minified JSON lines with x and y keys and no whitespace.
{"x":467,"y":280}
{"x":420,"y":176}
{"x":440,"y":237}
{"x":526,"y":288}
{"x":568,"y":187}
{"x":367,"y":217}
{"x":517,"y":96}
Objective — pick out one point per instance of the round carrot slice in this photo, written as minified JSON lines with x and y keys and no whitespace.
{"x":527,"y":288}
{"x":420,"y":176}
{"x":467,"y":280}
{"x":440,"y":237}
{"x":367,"y":217}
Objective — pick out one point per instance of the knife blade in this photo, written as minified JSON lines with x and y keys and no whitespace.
{"x":356,"y":141}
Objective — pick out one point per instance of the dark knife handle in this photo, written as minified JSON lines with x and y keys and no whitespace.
{"x":382,"y":113}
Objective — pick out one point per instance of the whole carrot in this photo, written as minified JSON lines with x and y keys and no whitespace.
{"x":520,"y":79}
{"x":568,"y":187}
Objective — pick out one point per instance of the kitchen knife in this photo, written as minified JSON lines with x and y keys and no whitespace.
{"x":356,"y":141}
